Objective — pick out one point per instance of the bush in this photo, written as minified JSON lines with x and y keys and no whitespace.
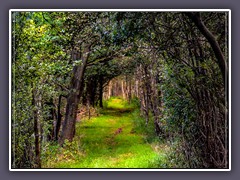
{"x":135,"y":102}
{"x":140,"y":126}
{"x":53,"y":154}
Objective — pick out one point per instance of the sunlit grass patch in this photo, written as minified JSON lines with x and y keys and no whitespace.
{"x":111,"y":140}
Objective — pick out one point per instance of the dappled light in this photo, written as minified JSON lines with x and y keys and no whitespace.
{"x":110,"y":141}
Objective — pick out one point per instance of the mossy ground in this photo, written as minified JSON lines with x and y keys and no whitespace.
{"x":99,"y":142}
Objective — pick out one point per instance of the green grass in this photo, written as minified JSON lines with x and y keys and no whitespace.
{"x":98,"y":145}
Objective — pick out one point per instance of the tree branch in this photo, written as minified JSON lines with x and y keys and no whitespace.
{"x":196,"y":19}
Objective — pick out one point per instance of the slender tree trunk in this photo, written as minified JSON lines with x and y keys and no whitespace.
{"x":130,"y":91}
{"x":74,"y":98}
{"x":88,"y":107}
{"x":136,"y":89}
{"x":59,"y":118}
{"x":52,"y":118}
{"x":110,"y":89}
{"x":156,"y":114}
{"x":156,"y":104}
{"x":123,"y":91}
{"x":101,"y":92}
{"x":36,"y":130}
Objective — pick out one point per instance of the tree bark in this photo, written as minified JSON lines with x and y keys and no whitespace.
{"x":59,"y":119}
{"x":110,"y":89}
{"x":101,"y":92}
{"x":130,"y":91}
{"x":52,"y":117}
{"x":74,"y":98}
{"x":123,"y":90}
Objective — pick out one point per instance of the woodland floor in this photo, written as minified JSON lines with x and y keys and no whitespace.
{"x":110,"y":140}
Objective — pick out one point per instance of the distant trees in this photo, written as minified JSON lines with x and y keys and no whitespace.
{"x":174,"y":62}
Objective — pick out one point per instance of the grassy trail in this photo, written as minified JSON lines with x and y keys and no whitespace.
{"x":110,"y":141}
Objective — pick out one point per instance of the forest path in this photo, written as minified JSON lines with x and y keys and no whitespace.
{"x":110,"y":141}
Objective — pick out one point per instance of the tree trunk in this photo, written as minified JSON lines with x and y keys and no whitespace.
{"x":52,"y":119}
{"x":130,"y":91}
{"x":110,"y":89}
{"x":101,"y":92}
{"x":59,"y":119}
{"x":123,"y":90}
{"x":36,"y":130}
{"x":74,"y":98}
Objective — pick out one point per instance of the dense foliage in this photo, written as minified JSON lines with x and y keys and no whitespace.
{"x":172,"y":64}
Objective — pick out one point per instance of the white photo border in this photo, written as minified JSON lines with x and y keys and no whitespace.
{"x":119,"y":10}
